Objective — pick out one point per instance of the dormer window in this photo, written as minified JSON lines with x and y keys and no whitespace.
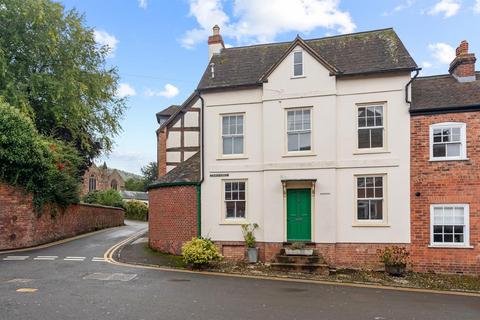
{"x":298,"y":63}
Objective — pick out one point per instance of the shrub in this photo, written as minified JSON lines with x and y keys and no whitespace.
{"x":393,"y":256}
{"x":200,"y":252}
{"x":46,"y":167}
{"x":248,"y":229}
{"x":136,"y":210}
{"x":110,"y":197}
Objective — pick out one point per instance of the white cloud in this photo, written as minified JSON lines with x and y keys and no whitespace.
{"x":143,"y":4}
{"x":448,"y":8}
{"x":125,"y":90}
{"x":476,"y":8}
{"x":169,"y":91}
{"x":426,"y":64}
{"x":261,"y":21}
{"x":105,"y":39}
{"x":442,"y":52}
{"x":405,"y":5}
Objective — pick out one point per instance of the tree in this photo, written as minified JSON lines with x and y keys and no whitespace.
{"x":135,"y":184}
{"x":52,"y":69}
{"x":150,"y":173}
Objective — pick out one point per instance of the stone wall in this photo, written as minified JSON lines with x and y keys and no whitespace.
{"x":21,"y":227}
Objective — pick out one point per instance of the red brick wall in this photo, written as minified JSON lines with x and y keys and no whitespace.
{"x":444,"y":182}
{"x":20,"y":227}
{"x":172,"y":217}
{"x":336,"y":255}
{"x":162,"y":152}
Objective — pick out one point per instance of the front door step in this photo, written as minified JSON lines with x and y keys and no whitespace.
{"x":316,"y":268}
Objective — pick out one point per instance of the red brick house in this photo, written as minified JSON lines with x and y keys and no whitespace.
{"x":445,"y":169}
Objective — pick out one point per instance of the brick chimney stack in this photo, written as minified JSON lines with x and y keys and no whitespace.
{"x":215,"y":42}
{"x":463,"y":66}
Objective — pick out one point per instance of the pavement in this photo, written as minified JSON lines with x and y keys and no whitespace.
{"x":72,"y":281}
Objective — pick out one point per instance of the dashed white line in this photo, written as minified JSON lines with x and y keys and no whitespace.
{"x":15,"y":258}
{"x":97,"y":259}
{"x":46,"y":258}
{"x":74,"y":259}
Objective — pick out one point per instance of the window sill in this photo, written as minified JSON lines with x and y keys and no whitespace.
{"x":234,"y":157}
{"x":446,"y":246}
{"x":370,"y":151}
{"x":234,"y":222}
{"x":298,"y":77}
{"x":299,"y":154}
{"x":447,"y":159}
{"x":371,"y":224}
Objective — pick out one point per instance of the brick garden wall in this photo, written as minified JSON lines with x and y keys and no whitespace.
{"x":172,"y":217}
{"x":444,"y":182}
{"x":21,"y":227}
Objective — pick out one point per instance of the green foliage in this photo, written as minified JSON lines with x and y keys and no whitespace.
{"x":248,"y":229}
{"x":54,"y":72}
{"x":136,"y":210}
{"x":394,"y":255}
{"x":200,"y":252}
{"x":46,"y":167}
{"x":110,"y":197}
{"x":135,"y":184}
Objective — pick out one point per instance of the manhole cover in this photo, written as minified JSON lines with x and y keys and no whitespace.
{"x":110,"y":276}
{"x":179,"y":280}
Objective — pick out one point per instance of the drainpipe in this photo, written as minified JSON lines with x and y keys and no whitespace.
{"x":202,"y":167}
{"x":417,"y":71}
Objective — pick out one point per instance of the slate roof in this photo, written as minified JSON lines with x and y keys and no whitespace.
{"x":444,"y":92}
{"x":134,"y":195}
{"x":351,"y":54}
{"x":169,"y":110}
{"x":187,"y":171}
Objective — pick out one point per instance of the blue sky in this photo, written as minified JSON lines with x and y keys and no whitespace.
{"x":159,"y":46}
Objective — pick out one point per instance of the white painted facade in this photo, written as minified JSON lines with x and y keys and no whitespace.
{"x":334,"y":160}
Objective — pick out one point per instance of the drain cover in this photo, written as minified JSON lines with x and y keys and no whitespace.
{"x":110,"y":276}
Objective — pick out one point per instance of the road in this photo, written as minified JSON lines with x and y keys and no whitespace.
{"x":73,"y":282}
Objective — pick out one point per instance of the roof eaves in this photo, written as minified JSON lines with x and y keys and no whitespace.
{"x":185,"y":104}
{"x":446,"y":109}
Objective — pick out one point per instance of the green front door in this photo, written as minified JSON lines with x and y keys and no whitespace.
{"x":299,"y":220}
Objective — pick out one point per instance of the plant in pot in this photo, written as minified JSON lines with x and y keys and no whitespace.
{"x":252,"y":251}
{"x":395,"y":260}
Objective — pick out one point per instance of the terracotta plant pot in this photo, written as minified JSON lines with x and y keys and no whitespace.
{"x":396,"y":270}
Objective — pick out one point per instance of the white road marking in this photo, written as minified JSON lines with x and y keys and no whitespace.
{"x":46,"y":258}
{"x":97,"y":259}
{"x":15,"y":258}
{"x":74,"y":259}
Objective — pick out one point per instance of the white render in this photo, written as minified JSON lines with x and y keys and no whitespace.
{"x":333,"y":162}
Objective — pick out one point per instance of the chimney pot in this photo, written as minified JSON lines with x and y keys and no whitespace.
{"x":215,"y":42}
{"x":463,"y":66}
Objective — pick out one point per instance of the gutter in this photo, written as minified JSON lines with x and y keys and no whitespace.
{"x":417,"y":71}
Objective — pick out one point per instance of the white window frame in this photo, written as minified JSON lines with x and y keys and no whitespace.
{"x":463,"y":140}
{"x":299,"y":152}
{"x":383,"y":126}
{"x":302,"y":64}
{"x":232,"y":155}
{"x":466,"y":231}
{"x":372,"y":222}
{"x":224,"y":218}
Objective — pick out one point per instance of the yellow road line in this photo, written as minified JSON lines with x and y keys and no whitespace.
{"x":110,"y":252}
{"x":27,"y":290}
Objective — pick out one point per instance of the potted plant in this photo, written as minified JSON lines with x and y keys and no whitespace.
{"x":250,"y":241}
{"x":395,"y":260}
{"x":298,"y":249}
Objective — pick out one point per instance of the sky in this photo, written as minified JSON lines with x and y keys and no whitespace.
{"x":160,"y":46}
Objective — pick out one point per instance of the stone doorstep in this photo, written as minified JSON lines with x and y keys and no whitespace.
{"x":300,"y":259}
{"x":317,"y":268}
